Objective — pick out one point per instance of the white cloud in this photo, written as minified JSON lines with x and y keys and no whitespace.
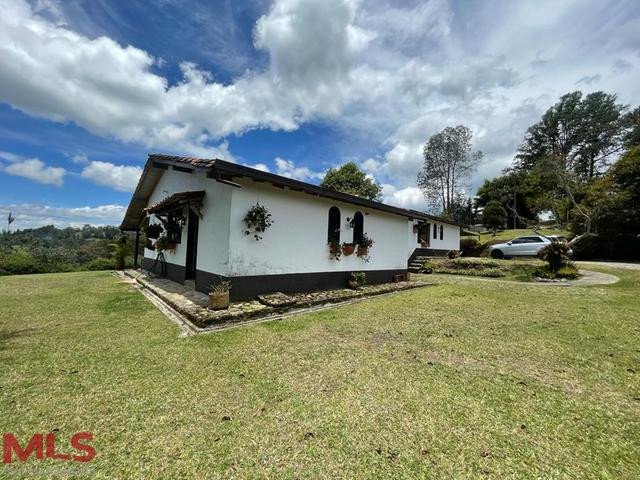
{"x":287,"y":168}
{"x":408,"y":197}
{"x":37,"y":215}
{"x":33,"y":169}
{"x":258,"y":166}
{"x":119,"y":177}
{"x":80,"y":158}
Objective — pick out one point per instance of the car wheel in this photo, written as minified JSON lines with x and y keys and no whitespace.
{"x":497,"y":254}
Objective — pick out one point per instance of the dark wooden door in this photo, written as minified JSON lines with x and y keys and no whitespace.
{"x":192,"y":246}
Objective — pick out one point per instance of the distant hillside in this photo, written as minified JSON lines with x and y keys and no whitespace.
{"x":51,"y":249}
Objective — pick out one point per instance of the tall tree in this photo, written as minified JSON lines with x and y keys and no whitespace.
{"x":632,"y":125}
{"x":494,"y":216}
{"x":515,"y":192}
{"x":582,"y":133}
{"x":448,"y":163}
{"x":350,"y":179}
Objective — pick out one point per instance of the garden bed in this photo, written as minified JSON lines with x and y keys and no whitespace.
{"x":193,"y":304}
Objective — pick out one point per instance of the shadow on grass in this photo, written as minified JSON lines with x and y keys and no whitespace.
{"x":8,"y":335}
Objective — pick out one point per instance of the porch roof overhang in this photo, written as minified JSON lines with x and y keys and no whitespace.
{"x":176,"y":200}
{"x":227,"y":172}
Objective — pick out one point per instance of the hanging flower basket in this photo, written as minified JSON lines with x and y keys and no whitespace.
{"x":257,"y":220}
{"x":348,"y":248}
{"x":362,"y":251}
{"x":334,"y":250}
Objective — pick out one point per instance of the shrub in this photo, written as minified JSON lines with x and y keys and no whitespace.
{"x":588,"y":246}
{"x":100,"y":264}
{"x":473,"y":272}
{"x":569,"y":270}
{"x":451,"y":254}
{"x":359,"y":277}
{"x":469,"y":247}
{"x":427,"y":267}
{"x":555,"y":254}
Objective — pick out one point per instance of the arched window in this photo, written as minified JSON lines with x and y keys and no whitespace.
{"x":333,"y":230}
{"x":358,"y":227}
{"x":441,"y":232}
{"x":435,"y":231}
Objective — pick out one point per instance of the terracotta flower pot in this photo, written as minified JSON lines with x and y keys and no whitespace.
{"x":362,"y":251}
{"x":219,"y":301}
{"x":347,"y":249}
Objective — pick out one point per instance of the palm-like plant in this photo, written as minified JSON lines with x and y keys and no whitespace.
{"x":555,"y":254}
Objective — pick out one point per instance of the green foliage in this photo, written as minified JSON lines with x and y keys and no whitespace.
{"x":120,"y":250}
{"x":49,"y":249}
{"x":428,"y":267}
{"x":474,"y":272}
{"x":350,"y":179}
{"x":153,"y":230}
{"x":451,"y":254}
{"x":469,"y":246}
{"x":582,"y":132}
{"x":568,"y":271}
{"x":555,"y":254}
{"x":504,"y":188}
{"x":335,"y":249}
{"x":359,"y":277}
{"x":101,"y":264}
{"x":257,"y":220}
{"x":221,"y":287}
{"x":494,"y":216}
{"x":588,"y":246}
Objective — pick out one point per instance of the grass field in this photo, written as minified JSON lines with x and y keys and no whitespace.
{"x":465,"y":379}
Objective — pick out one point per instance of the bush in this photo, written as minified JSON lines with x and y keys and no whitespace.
{"x":19,"y":262}
{"x":588,"y":246}
{"x":555,"y":254}
{"x":451,"y":254}
{"x":474,"y":272}
{"x":470,"y":247}
{"x":567,"y":270}
{"x":427,"y":267}
{"x":100,"y":264}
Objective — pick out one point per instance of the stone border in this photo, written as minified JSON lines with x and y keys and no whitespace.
{"x":202,"y":319}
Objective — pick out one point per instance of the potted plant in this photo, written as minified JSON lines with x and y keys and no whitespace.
{"x":357,"y":280}
{"x":219,"y":295}
{"x":348,"y":248}
{"x":257,"y":220}
{"x":365,"y":244}
{"x":153,"y":230}
{"x":334,"y":249}
{"x":163,"y":244}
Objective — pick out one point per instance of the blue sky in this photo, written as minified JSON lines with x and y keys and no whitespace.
{"x":88,"y":88}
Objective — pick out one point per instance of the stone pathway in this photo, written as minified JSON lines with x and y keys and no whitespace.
{"x":192,"y":304}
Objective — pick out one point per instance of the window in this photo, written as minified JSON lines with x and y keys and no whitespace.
{"x":435,"y":231}
{"x":333,"y":229}
{"x":518,"y":240}
{"x":174,"y":226}
{"x":358,"y":227}
{"x":423,"y":233}
{"x":441,"y":231}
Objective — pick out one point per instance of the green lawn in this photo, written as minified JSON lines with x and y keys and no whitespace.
{"x":466,"y":379}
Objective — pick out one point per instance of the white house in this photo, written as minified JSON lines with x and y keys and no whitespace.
{"x":207,"y":200}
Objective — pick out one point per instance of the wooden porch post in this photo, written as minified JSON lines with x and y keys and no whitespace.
{"x":135,"y":252}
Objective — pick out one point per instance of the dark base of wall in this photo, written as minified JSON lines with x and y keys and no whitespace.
{"x":427,"y":252}
{"x":175,"y":272}
{"x":250,"y":286}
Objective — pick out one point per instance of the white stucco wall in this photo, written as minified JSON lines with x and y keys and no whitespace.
{"x":297,"y":240}
{"x":450,"y":238}
{"x":213,"y":229}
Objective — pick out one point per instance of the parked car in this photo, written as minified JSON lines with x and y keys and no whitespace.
{"x":526,"y":246}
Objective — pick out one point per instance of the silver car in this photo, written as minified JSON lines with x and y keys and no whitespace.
{"x":528,"y":246}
